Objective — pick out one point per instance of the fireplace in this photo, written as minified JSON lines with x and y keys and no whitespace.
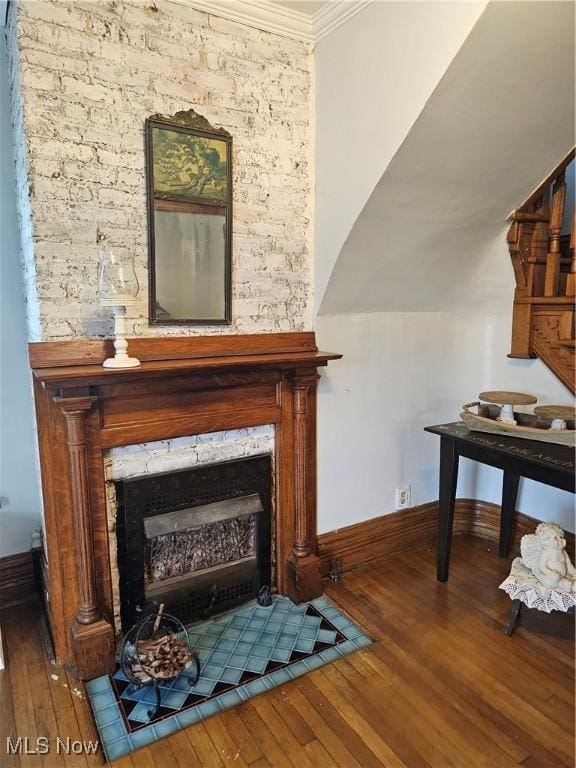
{"x":198,"y":540}
{"x":184,"y":386}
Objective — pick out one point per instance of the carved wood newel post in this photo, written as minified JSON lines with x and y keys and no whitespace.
{"x":92,"y":635}
{"x":304,"y":579}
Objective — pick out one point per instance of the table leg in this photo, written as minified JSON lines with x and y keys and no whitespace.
{"x":508,"y":511}
{"x":448,"y":480}
{"x":514,"y":616}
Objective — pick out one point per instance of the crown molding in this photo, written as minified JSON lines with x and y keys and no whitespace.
{"x":334,"y":14}
{"x":261,"y":14}
{"x":287,"y":22}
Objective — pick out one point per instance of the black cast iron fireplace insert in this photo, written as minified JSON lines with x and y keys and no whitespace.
{"x":198,"y":540}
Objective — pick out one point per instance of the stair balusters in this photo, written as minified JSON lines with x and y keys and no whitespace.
{"x":544,"y":264}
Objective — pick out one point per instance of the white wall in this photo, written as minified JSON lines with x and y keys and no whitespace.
{"x":481,"y":144}
{"x":408,"y":368}
{"x":374,"y":75}
{"x":19,"y":492}
{"x":402,"y":371}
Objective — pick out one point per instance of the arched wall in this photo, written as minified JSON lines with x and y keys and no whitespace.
{"x":420,"y":298}
{"x":374,"y":75}
{"x":499,"y":120}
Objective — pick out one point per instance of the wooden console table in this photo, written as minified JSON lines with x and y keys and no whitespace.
{"x":544,"y":462}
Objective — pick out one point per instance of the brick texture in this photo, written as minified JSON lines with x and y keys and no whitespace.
{"x":84,"y":76}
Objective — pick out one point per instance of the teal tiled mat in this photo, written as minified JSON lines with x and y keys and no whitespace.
{"x":242,"y":653}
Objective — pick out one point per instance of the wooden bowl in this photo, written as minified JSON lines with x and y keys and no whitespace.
{"x":507,"y":398}
{"x":566,"y":412}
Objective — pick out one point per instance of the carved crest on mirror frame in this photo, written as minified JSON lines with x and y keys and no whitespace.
{"x":189,"y":119}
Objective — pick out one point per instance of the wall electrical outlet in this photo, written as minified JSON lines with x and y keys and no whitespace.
{"x":402,"y":497}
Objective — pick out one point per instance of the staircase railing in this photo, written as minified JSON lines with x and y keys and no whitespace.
{"x":542,"y":249}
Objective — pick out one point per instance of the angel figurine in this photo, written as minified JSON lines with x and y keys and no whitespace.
{"x":544,"y":554}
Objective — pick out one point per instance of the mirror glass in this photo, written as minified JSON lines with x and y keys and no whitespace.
{"x":190,"y":208}
{"x":190,"y":264}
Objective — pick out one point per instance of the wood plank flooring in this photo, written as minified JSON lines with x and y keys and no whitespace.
{"x":441,"y":686}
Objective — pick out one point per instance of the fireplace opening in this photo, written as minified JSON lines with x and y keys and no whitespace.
{"x":198,"y":540}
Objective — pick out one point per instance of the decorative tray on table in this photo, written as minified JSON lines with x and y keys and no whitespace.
{"x":495,"y":413}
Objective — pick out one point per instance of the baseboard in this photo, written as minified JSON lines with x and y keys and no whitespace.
{"x":415,"y":528}
{"x":355,"y":545}
{"x":17,"y":582}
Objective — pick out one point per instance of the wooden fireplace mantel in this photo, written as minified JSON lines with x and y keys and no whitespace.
{"x":184,"y":386}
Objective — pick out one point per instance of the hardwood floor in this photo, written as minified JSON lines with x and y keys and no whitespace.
{"x":441,"y":686}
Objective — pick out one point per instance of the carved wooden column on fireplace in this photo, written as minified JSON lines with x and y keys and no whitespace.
{"x":92,"y":635}
{"x":303,"y":572}
{"x":185,"y":386}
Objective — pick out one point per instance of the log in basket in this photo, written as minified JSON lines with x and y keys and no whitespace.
{"x":155,"y":651}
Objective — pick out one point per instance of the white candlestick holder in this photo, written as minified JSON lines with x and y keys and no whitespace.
{"x":121,"y":358}
{"x":118,"y":287}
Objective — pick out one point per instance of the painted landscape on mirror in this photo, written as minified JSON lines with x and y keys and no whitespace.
{"x":187,"y":165}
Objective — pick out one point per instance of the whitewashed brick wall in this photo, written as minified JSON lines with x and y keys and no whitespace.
{"x":183,"y":452}
{"x":168,"y":456}
{"x":85,"y":75}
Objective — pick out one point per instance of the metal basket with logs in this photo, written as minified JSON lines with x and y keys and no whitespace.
{"x":495,"y":414}
{"x":157,"y":650}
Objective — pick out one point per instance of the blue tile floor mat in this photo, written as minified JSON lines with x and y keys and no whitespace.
{"x":242,"y":653}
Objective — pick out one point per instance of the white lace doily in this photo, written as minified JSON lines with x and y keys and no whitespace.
{"x":521,"y":584}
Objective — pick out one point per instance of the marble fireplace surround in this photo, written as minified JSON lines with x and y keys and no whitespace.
{"x":185,"y":386}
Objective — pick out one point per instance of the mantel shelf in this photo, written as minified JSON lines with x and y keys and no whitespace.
{"x":79,"y":363}
{"x":88,"y":375}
